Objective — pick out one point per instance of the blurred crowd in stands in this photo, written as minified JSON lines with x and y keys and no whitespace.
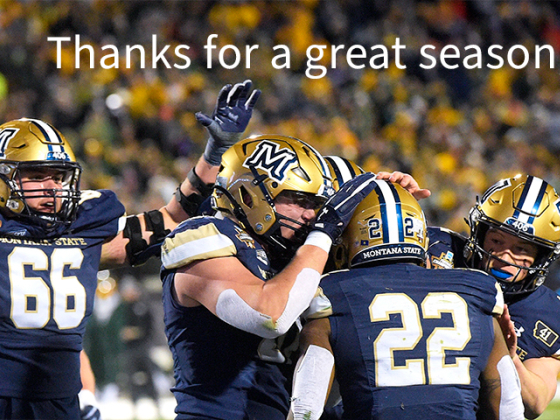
{"x":456,"y":131}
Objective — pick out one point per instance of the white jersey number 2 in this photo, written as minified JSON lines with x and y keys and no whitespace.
{"x":31,"y":296}
{"x":407,"y":337}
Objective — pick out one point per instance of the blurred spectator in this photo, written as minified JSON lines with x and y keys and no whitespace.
{"x":136,"y":335}
{"x":455,"y":131}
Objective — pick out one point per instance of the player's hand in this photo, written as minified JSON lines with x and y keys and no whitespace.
{"x":229,"y":120}
{"x":89,"y":409}
{"x":338,"y":210}
{"x":508,"y":329}
{"x":407,"y":182}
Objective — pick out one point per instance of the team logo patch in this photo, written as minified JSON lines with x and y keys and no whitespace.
{"x":445,"y":260}
{"x":245,"y":238}
{"x":261,"y":256}
{"x":270,"y":158}
{"x":545,"y":334}
{"x":500,"y":185}
{"x":5,"y":136}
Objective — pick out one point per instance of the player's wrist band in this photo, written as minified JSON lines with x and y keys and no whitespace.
{"x":190,"y":203}
{"x":319,"y":239}
{"x":197,"y":183}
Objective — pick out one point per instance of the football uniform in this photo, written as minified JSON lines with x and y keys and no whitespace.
{"x":46,"y":297}
{"x":221,"y":372}
{"x":534,"y":315}
{"x":410,"y":342}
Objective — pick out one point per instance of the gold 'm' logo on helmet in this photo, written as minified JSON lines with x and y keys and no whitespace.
{"x":5,"y":136}
{"x":270,"y":158}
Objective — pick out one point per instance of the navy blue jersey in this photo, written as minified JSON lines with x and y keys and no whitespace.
{"x":410,"y":342}
{"x":46,"y":296}
{"x":220,"y":371}
{"x":536,"y":316}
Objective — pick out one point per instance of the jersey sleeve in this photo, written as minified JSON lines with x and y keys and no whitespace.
{"x":195,"y":240}
{"x":488,"y":291}
{"x":100,"y":214}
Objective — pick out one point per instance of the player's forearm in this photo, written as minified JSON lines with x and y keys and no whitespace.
{"x":534,"y":391}
{"x":270,"y":311}
{"x":307,"y":257}
{"x":312,"y":379}
{"x":174,"y":211}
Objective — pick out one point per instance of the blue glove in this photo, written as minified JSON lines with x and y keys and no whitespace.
{"x":229,"y":119}
{"x":336,"y":213}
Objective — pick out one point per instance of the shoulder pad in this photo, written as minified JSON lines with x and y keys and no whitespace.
{"x":196,"y":239}
{"x":99,"y":211}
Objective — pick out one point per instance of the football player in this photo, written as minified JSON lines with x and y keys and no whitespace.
{"x":53,"y":239}
{"x":343,"y":170}
{"x":408,"y":342}
{"x":228,"y":309}
{"x":515,"y":237}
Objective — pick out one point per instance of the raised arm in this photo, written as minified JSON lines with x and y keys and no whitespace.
{"x":143,"y":233}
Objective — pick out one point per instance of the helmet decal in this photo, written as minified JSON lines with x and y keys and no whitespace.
{"x":388,"y":224}
{"x":270,"y":158}
{"x":523,"y":206}
{"x":500,"y":185}
{"x":31,"y":144}
{"x":5,"y":136}
{"x":391,"y":218}
{"x":531,"y":199}
{"x":52,"y":139}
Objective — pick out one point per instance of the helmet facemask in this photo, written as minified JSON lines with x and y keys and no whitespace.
{"x":525,"y":207}
{"x":36,"y":151}
{"x":282,"y":248}
{"x":257,"y":175}
{"x":479,"y":258}
{"x":65,"y":200}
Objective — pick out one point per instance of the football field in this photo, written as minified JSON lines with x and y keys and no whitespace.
{"x":552,"y":412}
{"x":122,"y":410}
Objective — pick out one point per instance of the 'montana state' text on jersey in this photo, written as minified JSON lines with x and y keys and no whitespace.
{"x":46,"y":295}
{"x":410,"y":342}
{"x":221,"y":372}
{"x":535,"y":316}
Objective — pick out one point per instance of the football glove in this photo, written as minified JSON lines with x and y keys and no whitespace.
{"x":338,"y":210}
{"x":89,"y":409}
{"x":229,"y":120}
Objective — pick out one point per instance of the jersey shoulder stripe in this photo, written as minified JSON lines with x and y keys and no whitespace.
{"x":195,"y":243}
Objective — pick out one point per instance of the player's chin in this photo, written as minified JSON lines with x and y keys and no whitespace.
{"x":295,"y":235}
